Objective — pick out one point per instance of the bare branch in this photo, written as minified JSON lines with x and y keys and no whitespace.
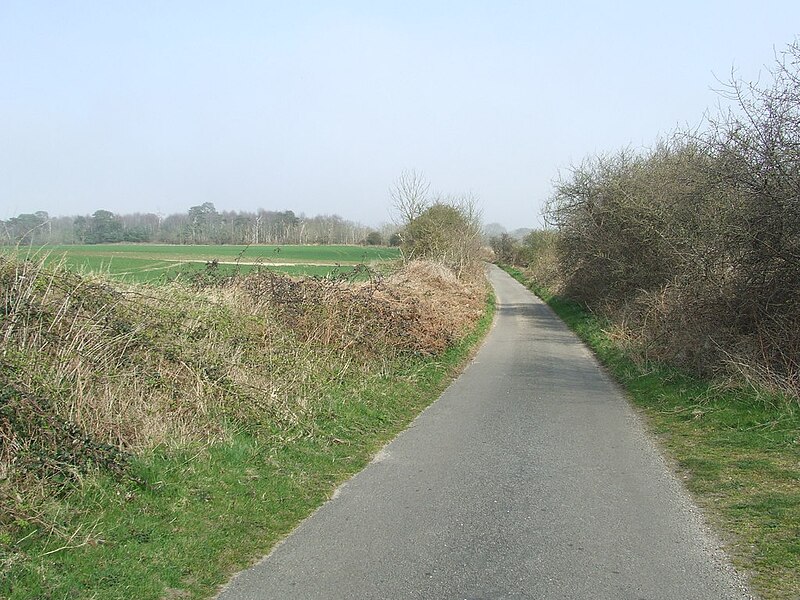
{"x":409,"y":195}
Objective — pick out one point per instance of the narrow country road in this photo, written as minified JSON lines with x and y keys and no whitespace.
{"x":531,"y":477}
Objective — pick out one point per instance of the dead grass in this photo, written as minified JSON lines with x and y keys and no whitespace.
{"x":94,"y":373}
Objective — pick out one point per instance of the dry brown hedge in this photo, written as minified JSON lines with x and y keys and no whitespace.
{"x":693,"y":247}
{"x":93,"y":371}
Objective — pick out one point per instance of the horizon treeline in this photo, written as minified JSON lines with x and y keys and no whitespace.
{"x":201,"y":224}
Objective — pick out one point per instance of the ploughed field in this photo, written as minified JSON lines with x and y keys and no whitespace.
{"x":162,"y":262}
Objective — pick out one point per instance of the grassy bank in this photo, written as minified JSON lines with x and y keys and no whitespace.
{"x":263,"y":396}
{"x":738,"y":451}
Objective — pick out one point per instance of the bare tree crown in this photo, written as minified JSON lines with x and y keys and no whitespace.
{"x":409,"y":195}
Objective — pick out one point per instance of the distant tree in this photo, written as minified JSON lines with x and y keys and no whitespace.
{"x":103,"y":228}
{"x":504,"y":247}
{"x":27,"y":228}
{"x":493,"y":230}
{"x":374,"y":238}
{"x":395,"y":239}
{"x":60,"y":230}
{"x":409,"y":195}
{"x":139,"y":227}
{"x":135,"y":235}
{"x":521,"y":233}
{"x":284,"y":226}
{"x":202,"y":219}
{"x":80,"y":227}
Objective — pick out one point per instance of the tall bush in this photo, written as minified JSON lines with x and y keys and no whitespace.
{"x":447,"y":230}
{"x":695,"y":244}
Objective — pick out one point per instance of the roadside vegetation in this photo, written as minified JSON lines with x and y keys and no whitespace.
{"x":156,"y":439}
{"x":680,"y":266}
{"x":438,"y":227}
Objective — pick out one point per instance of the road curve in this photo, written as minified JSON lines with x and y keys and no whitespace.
{"x":531,"y":477}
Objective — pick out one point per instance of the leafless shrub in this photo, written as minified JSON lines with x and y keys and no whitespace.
{"x":695,"y":245}
{"x":628,"y":222}
{"x":538,"y":254}
{"x":410,"y":195}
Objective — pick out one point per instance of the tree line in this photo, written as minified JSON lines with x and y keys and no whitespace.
{"x":201,"y":224}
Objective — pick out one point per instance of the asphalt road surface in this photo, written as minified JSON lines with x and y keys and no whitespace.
{"x":531,"y":477}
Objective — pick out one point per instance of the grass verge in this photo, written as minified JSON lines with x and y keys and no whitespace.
{"x":737,"y":450}
{"x":187,"y":520}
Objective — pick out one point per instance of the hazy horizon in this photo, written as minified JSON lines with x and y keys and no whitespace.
{"x":317,"y":108}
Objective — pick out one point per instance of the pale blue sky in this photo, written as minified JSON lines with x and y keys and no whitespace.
{"x":155,"y":106}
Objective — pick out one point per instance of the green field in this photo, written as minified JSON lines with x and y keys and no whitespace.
{"x":158,"y":262}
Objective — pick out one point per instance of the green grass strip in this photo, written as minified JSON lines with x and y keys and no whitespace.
{"x":207,"y":513}
{"x":157,"y":263}
{"x":738,"y":455}
{"x":255,"y":253}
